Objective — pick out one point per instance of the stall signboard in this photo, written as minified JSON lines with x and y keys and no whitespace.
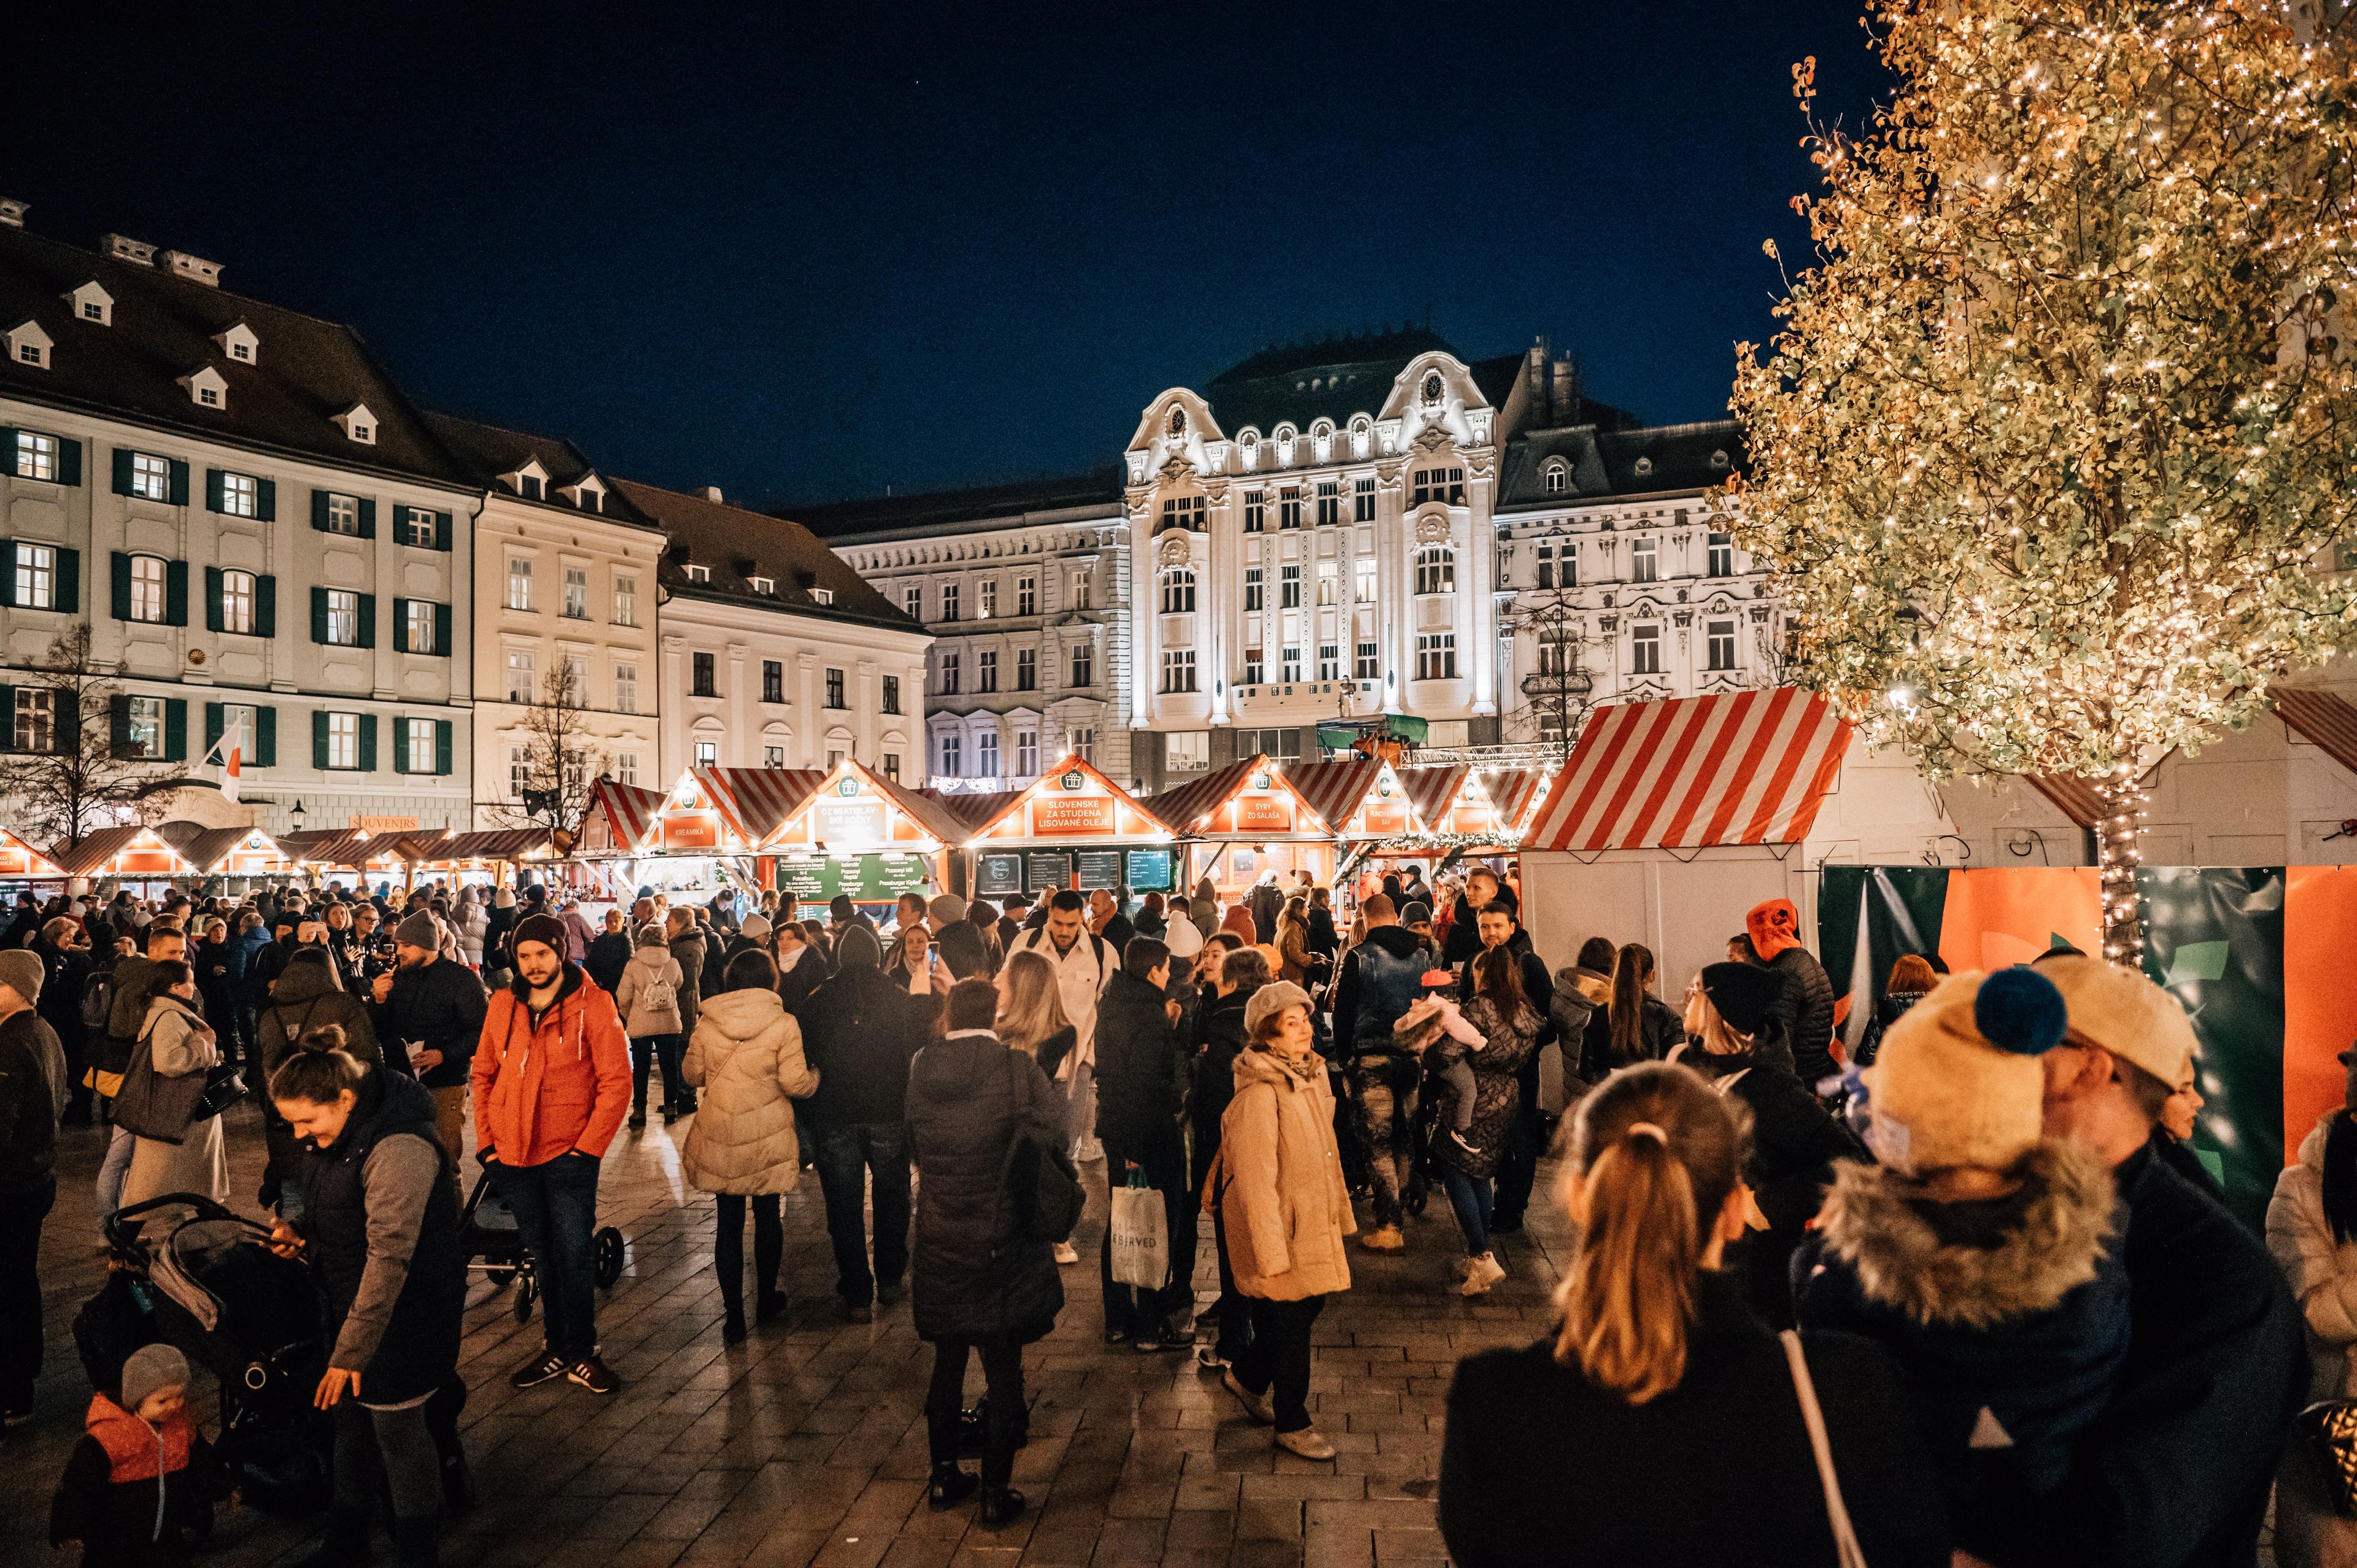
{"x":868,"y":878}
{"x":1263,"y":813}
{"x":846,"y":815}
{"x":1045,"y":869}
{"x":1072,"y":801}
{"x":1100,"y":868}
{"x":1152,"y":871}
{"x":852,"y":812}
{"x":20,"y":859}
{"x":998,"y":875}
{"x":1071,"y":816}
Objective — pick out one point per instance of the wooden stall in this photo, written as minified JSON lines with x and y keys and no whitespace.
{"x":1072,"y":827}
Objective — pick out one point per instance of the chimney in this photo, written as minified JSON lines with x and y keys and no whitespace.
{"x":1567,"y":389}
{"x":711,"y":494}
{"x":125,"y":248}
{"x":12,"y":213}
{"x":179,"y":264}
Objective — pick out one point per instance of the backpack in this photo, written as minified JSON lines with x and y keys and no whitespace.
{"x":98,"y":1000}
{"x":659,"y":995}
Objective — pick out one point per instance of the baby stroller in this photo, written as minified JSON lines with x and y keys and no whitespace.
{"x":493,"y":1244}
{"x":186,"y":1271}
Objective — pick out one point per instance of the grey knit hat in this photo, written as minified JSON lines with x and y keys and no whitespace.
{"x":1268,"y":1002}
{"x":754,"y":928}
{"x":151,"y":1368}
{"x":858,"y":949}
{"x":21,"y":971}
{"x":418,"y":930}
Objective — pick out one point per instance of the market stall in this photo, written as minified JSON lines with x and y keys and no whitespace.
{"x":22,"y":866}
{"x":359,"y":855}
{"x":492,"y":857}
{"x":698,"y":837}
{"x":1072,"y":827}
{"x":241,"y":857}
{"x":131,"y":856}
{"x":1242,"y":820}
{"x":861,"y":835}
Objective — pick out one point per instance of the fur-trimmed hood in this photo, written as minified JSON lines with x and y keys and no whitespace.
{"x":1873,"y":1222}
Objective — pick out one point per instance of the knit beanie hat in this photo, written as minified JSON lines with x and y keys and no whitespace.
{"x":946,"y":909}
{"x":1772,"y":926}
{"x":503,"y":899}
{"x":2125,"y":1013}
{"x":21,"y":971}
{"x":858,"y":949}
{"x":1269,"y":1001}
{"x":1184,"y":939}
{"x":756,"y":928}
{"x":150,"y":1367}
{"x":1417,"y":913}
{"x":1957,"y":1081}
{"x":418,"y":930}
{"x":545,"y":930}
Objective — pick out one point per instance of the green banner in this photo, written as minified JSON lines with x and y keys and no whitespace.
{"x":870,"y":878}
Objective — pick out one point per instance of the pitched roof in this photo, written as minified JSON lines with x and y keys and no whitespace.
{"x":1333,"y":379}
{"x":305,"y":371}
{"x":737,"y":545}
{"x":101,"y":844}
{"x":490,"y":453}
{"x":1603,"y":462}
{"x":948,"y":509}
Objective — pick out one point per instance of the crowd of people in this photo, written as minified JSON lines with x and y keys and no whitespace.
{"x":1957,"y":1289}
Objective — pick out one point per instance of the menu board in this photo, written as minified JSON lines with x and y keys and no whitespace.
{"x":1100,"y":868}
{"x":1047,"y":868}
{"x":1150,"y":871}
{"x":997,"y":876}
{"x":807,"y":881}
{"x":868,"y":878}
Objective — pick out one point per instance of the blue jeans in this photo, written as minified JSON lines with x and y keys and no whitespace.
{"x":849,"y":1153}
{"x":555,"y":1205}
{"x":113,"y":1169}
{"x":1470,"y":1197}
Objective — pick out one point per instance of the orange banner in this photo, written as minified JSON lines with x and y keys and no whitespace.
{"x":2320,"y":1004}
{"x":2008,"y":915}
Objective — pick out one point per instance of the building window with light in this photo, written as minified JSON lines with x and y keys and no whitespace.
{"x":986,"y":599}
{"x":1362,"y":501}
{"x":707,"y":753}
{"x":1328,"y":581}
{"x":1179,"y":670}
{"x":773,"y":756}
{"x":151,"y":477}
{"x":519,"y":584}
{"x":891,"y":768}
{"x":1646,"y":650}
{"x":1363,"y":582}
{"x":1722,"y":555}
{"x":1027,"y":669}
{"x":1435,"y":570}
{"x":985,"y":669}
{"x":576,"y":593}
{"x":1435,"y":655}
{"x":148,"y":597}
{"x":1178,"y":591}
{"x":1027,"y":595}
{"x":1083,"y":588}
{"x":1722,"y":645}
{"x":35,"y":722}
{"x":1255,"y":511}
{"x":343,"y":740}
{"x":521,"y":684}
{"x":626,"y":767}
{"x":37,"y":577}
{"x":343,"y":617}
{"x":420,"y":630}
{"x":1645,"y":560}
{"x":626,"y":688}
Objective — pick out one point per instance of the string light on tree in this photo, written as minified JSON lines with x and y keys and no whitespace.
{"x":2056,"y":439}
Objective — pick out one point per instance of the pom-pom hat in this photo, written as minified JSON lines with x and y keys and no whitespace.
{"x":1957,"y":1081}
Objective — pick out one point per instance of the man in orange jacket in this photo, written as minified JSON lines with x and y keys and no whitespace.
{"x":552,"y":1079}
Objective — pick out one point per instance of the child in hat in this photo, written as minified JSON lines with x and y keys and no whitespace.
{"x":142,"y":1475}
{"x":1985,"y":1255}
{"x":1434,"y":1029}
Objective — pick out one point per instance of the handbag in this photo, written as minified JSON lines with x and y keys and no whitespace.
{"x":224,"y":1087}
{"x":1140,"y":1235}
{"x":1846,"y":1550}
{"x":2328,"y":1429}
{"x":158,"y":1106}
{"x":1040,"y":1177}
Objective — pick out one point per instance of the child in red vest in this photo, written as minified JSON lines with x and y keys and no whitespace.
{"x":142,"y":1475}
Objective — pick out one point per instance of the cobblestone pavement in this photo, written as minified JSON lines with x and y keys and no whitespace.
{"x":806,"y":1443}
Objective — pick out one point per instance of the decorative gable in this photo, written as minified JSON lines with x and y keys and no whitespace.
{"x":530,"y":481}
{"x":29,"y":344}
{"x":358,"y":425}
{"x":587,"y":492}
{"x":207,"y":388}
{"x":92,"y":304}
{"x":240,"y":343}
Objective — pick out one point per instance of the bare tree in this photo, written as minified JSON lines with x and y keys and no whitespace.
{"x":562,"y":760}
{"x":1557,"y":693}
{"x":74,"y":761}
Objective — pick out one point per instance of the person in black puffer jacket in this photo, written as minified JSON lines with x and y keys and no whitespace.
{"x":307,"y":996}
{"x":381,"y":1230}
{"x":1912,"y":978}
{"x":1806,"y":1008}
{"x":859,"y":1032}
{"x":979,"y":1285}
{"x":1141,"y":1094}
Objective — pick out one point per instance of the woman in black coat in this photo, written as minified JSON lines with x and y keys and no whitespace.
{"x":979,"y":1283}
{"x":380,"y":1229}
{"x":1661,"y":1422}
{"x":1228,"y":986}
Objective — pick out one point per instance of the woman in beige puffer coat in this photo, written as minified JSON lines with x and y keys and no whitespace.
{"x":2321,"y":1269}
{"x":650,"y":997}
{"x":746,"y":1056}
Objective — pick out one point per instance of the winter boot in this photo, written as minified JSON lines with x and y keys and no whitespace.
{"x":950,"y":1485}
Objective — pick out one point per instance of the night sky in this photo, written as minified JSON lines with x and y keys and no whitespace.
{"x":815,"y":255}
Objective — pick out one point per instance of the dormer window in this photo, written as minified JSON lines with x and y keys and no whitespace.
{"x":1556,"y":479}
{"x":240,"y":343}
{"x":587,"y":493}
{"x":358,"y":425}
{"x":530,"y":481}
{"x":207,"y":388}
{"x":1644,"y":468}
{"x":29,"y":344}
{"x":699,"y":574}
{"x":823,"y":596}
{"x":764,"y":585}
{"x":92,"y":304}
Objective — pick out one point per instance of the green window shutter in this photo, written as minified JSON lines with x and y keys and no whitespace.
{"x":122,"y":470}
{"x":118,"y":726}
{"x":7,"y":717}
{"x":368,"y":519}
{"x":176,"y":593}
{"x":265,"y":606}
{"x":7,"y":450}
{"x":69,"y":460}
{"x":319,"y":510}
{"x":212,"y":608}
{"x":319,"y":739}
{"x":265,"y":737}
{"x":214,"y":727}
{"x":401,"y":627}
{"x":7,"y":574}
{"x":213,"y":489}
{"x":121,"y":586}
{"x":442,"y":632}
{"x":175,"y":730}
{"x":69,"y":581}
{"x":368,"y":743}
{"x":442,"y":531}
{"x":401,"y":745}
{"x":265,"y":499}
{"x":68,"y":723}
{"x":368,"y":621}
{"x":442,"y":747}
{"x":319,"y":616}
{"x":180,"y":482}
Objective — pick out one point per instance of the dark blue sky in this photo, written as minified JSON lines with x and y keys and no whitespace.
{"x":812,"y":255}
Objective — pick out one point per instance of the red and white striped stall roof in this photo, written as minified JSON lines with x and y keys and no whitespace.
{"x":629,"y":811}
{"x":2325,"y":718}
{"x":1434,"y":789}
{"x":1333,"y":790}
{"x":755,"y":801}
{"x":1514,"y":791}
{"x":1738,"y":767}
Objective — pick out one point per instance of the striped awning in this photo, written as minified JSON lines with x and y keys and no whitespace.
{"x":948,"y":827}
{"x":2326,"y":718}
{"x":977,"y":808}
{"x":753,"y":802}
{"x":1334,"y":789}
{"x":1514,"y":791}
{"x":1737,"y":767}
{"x":1434,"y":790}
{"x":1183,"y":805}
{"x":629,"y":810}
{"x":2074,"y":797}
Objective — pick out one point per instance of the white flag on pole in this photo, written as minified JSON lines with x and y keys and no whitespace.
{"x":228,"y":751}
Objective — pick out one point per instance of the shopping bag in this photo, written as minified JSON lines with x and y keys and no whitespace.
{"x":1141,"y":1239}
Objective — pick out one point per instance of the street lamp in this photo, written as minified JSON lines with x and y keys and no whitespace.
{"x":295,"y":816}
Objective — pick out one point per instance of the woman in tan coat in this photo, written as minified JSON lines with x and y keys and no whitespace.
{"x":746,"y":1054}
{"x":1293,"y":943}
{"x":1283,"y":1209}
{"x":182,"y":1046}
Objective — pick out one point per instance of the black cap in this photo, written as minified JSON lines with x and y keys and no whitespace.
{"x":1745,"y":994}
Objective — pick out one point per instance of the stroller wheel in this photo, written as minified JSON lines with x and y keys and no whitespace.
{"x":607,"y":1251}
{"x":528,"y":1288}
{"x":501,"y":1278}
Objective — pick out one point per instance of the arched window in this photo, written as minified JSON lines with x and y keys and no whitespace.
{"x":1433,"y":389}
{"x":1435,"y":570}
{"x":1557,"y":478}
{"x":1178,"y":591}
{"x":1177,"y":422}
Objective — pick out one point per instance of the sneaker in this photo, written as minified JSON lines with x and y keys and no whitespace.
{"x":1209,"y":1358}
{"x":1116,"y":1336}
{"x":1383,"y":1239}
{"x":1065,"y":1254}
{"x":1310,"y":1443}
{"x":1464,"y":1150}
{"x":1262,"y":1408}
{"x":1481,"y":1274}
{"x":539,"y":1370}
{"x":591,"y":1374}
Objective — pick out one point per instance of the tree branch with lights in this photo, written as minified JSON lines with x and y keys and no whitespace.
{"x":2055,"y":443}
